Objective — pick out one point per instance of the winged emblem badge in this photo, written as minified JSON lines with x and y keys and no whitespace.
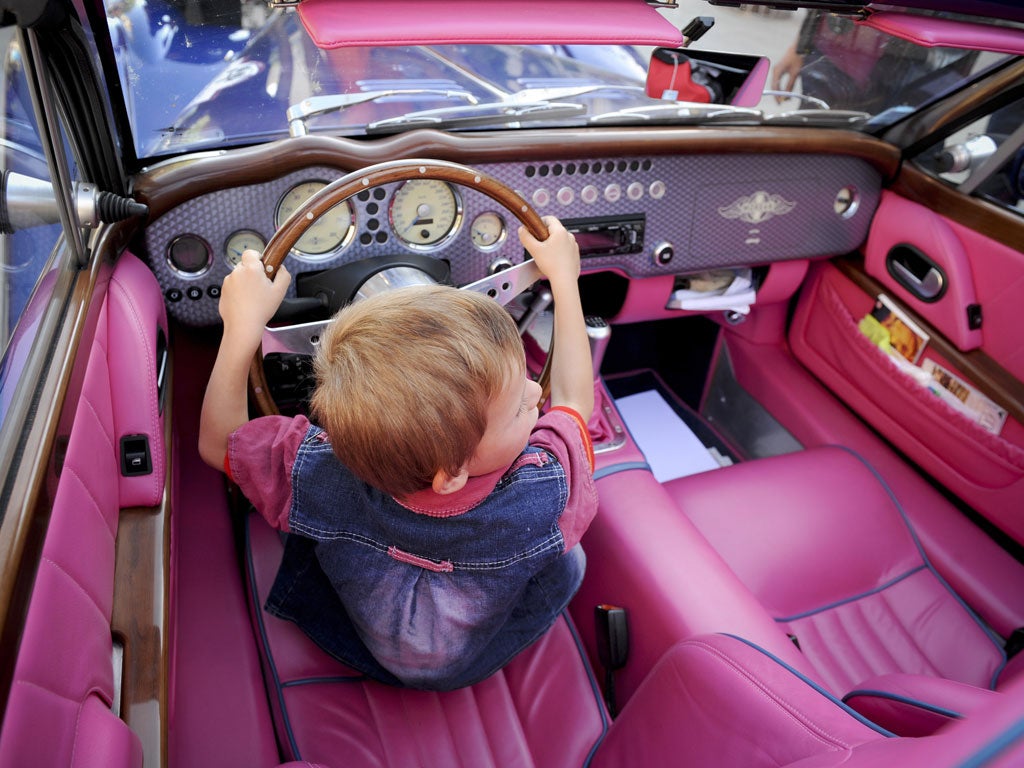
{"x":757,"y":208}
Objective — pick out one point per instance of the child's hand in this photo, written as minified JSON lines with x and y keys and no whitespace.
{"x":249,"y":298}
{"x":559,"y":256}
{"x":572,"y":379}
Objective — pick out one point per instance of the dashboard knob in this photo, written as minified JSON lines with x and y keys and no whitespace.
{"x":498,"y":265}
{"x":663,"y":254}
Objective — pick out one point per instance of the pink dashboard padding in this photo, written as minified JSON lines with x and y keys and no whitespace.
{"x":900,"y":221}
{"x":646,"y":298}
{"x":341,"y":23}
{"x":932,"y":32}
{"x":136,"y":314}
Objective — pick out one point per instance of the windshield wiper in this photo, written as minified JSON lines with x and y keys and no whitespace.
{"x":834,"y":117}
{"x":319,"y":105}
{"x":479,"y":115}
{"x":528,"y":104}
{"x":682,"y":112}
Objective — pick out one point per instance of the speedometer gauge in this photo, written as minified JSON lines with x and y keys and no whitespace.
{"x":329,"y":233}
{"x":425,"y":213}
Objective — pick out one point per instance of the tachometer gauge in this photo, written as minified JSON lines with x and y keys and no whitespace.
{"x":324,"y":236}
{"x":242,"y":240}
{"x":425,"y":213}
{"x":488,"y":231}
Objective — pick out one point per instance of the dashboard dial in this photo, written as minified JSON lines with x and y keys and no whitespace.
{"x":189,"y":255}
{"x":425,"y":213}
{"x":329,"y":233}
{"x":488,"y":231}
{"x":242,"y":240}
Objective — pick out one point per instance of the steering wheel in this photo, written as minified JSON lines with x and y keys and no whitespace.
{"x":503,"y":286}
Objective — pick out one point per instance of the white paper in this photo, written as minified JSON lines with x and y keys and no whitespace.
{"x":671,"y":448}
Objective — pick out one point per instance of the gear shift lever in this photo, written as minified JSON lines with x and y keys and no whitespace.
{"x":599,"y":332}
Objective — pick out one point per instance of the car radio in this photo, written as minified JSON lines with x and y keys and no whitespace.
{"x":607,"y":235}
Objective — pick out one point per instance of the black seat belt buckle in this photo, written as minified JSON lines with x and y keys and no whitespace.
{"x":612,"y":635}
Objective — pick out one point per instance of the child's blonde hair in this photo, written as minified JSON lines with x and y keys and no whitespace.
{"x":404,"y":380}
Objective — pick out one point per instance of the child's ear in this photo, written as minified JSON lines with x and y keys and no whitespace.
{"x":444,"y":483}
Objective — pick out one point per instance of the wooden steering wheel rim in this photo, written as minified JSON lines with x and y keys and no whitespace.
{"x":279,"y":246}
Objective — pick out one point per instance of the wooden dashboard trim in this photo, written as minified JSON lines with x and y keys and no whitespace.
{"x":168,"y":184}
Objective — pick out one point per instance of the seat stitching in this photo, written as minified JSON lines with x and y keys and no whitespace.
{"x":934,"y":670}
{"x":110,"y":526}
{"x":854,"y":598}
{"x":103,"y":429}
{"x":78,"y":586}
{"x":847,"y":666}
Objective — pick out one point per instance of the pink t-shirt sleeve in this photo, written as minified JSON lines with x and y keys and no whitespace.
{"x":260,"y":457}
{"x":562,"y":433}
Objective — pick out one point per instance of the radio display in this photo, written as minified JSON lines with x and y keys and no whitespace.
{"x":607,"y":235}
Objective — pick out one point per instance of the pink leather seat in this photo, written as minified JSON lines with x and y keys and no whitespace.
{"x":543,"y":709}
{"x":826,"y":547}
{"x":717,"y":701}
{"x":60,"y":709}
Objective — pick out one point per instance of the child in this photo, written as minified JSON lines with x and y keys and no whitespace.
{"x":434,"y":519}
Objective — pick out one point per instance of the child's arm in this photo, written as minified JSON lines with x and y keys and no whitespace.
{"x":248,"y":300}
{"x":572,"y":376}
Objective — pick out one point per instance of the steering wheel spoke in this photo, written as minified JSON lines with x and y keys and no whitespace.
{"x":505,"y":285}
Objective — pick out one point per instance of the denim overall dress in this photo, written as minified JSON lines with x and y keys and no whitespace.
{"x":435,"y":602}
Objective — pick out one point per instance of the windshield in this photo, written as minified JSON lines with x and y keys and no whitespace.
{"x":231,"y":73}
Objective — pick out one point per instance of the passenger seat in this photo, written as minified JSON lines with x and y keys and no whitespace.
{"x":828,"y":549}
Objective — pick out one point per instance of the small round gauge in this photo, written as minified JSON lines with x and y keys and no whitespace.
{"x":327,"y":234}
{"x":189,"y":255}
{"x":242,"y":240}
{"x":488,"y":231}
{"x":425,"y":213}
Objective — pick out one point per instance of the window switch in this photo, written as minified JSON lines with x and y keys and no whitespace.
{"x":135,"y":458}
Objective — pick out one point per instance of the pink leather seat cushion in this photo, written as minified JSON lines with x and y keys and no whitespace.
{"x":822,"y":542}
{"x":917,"y":705}
{"x":543,"y":709}
{"x":715,"y":700}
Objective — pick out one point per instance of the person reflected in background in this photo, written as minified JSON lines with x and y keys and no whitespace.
{"x":845,"y":65}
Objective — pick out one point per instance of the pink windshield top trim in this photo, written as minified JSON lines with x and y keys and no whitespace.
{"x":932,"y":32}
{"x":341,"y":23}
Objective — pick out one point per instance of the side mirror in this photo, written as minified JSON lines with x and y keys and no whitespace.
{"x":708,"y":77}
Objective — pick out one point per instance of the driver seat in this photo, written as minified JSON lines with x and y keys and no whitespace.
{"x":544,"y":709}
